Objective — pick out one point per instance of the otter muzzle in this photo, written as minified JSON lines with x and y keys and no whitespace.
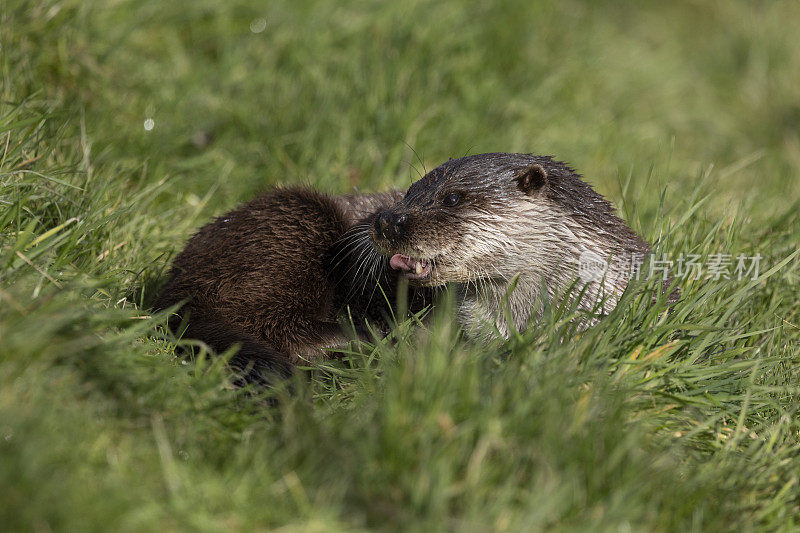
{"x":412,"y":268}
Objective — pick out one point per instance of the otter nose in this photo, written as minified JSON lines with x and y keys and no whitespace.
{"x":390,"y":225}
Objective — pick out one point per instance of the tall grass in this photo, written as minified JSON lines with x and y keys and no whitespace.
{"x":684,"y":114}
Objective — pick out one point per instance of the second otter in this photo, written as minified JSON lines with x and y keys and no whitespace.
{"x":278,"y":275}
{"x":489,"y":221}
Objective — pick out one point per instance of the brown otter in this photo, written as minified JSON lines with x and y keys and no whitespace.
{"x":275,"y":275}
{"x":492,"y":221}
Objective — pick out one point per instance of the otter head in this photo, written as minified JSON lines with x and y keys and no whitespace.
{"x":469,"y":220}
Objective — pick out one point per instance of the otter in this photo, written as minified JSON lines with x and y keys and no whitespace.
{"x":284,"y":277}
{"x":508,"y":230}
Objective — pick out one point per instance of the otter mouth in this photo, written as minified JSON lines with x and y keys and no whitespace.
{"x":416,"y":269}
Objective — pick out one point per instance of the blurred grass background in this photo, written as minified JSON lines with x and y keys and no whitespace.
{"x":686,"y":114}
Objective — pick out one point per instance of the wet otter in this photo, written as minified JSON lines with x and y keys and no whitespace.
{"x":488,"y":221}
{"x":275,"y":275}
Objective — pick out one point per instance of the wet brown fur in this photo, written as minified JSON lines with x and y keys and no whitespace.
{"x":275,"y":275}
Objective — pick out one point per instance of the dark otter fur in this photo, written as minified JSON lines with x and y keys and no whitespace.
{"x":274,"y":276}
{"x":490,"y":221}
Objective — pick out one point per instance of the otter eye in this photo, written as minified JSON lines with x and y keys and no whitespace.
{"x":451,"y":199}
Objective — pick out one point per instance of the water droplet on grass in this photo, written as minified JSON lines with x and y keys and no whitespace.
{"x":258,"y":25}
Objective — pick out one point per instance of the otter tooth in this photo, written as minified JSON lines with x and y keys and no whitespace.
{"x":418,"y":268}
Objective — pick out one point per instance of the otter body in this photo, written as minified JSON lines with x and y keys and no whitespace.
{"x":490,"y":221}
{"x":274,"y":275}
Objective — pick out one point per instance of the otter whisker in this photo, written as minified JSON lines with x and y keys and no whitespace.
{"x":360,"y":248}
{"x":375,"y":280}
{"x":364,"y":254}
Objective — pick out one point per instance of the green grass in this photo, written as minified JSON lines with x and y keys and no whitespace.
{"x":685,"y":114}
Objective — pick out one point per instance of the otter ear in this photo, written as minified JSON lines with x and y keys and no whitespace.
{"x":531,"y":178}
